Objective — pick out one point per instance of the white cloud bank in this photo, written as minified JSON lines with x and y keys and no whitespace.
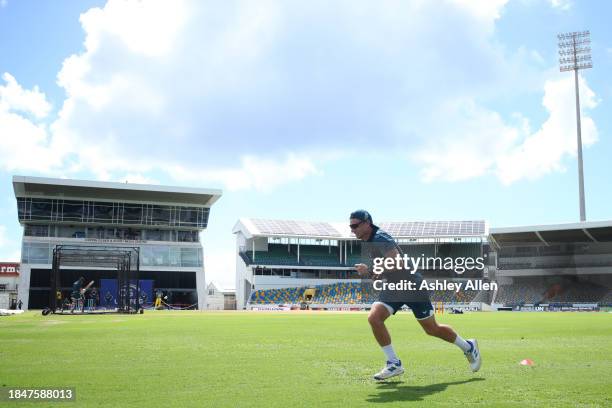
{"x":479,"y":142}
{"x":257,"y":94}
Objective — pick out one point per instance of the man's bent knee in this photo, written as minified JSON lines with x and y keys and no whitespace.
{"x":378,"y":315}
{"x":374,"y":319}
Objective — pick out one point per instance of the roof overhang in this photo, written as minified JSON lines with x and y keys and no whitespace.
{"x":42,"y":187}
{"x":587,"y":231}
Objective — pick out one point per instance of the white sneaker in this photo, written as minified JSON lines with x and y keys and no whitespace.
{"x":473,"y":355}
{"x":391,"y":370}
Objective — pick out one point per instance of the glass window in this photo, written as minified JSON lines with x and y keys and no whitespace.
{"x":37,"y":230}
{"x":117,"y":212}
{"x":187,"y":236}
{"x":73,"y":210}
{"x":132,"y":214}
{"x":203,"y":217}
{"x":160,"y":215}
{"x":158,"y":235}
{"x":21,"y":208}
{"x":132,"y":234}
{"x":103,"y":212}
{"x":161,"y":255}
{"x":155,"y":255}
{"x":189,"y":257}
{"x":175,"y":256}
{"x":146,"y":256}
{"x":37,"y":253}
{"x":188,"y":216}
{"x":41,"y":209}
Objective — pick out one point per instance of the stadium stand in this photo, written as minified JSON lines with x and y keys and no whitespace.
{"x":521,"y":292}
{"x":278,"y":254}
{"x":317,"y":255}
{"x":336,"y":293}
{"x":463,"y":296}
{"x":277,"y":296}
{"x":345,"y":293}
{"x":607,"y":299}
{"x":551,"y":290}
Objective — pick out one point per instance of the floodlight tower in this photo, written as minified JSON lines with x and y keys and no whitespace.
{"x":575,"y":54}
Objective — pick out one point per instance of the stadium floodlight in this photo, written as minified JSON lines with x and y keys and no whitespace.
{"x":574,"y":55}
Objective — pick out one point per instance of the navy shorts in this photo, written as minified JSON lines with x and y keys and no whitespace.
{"x":421,"y":310}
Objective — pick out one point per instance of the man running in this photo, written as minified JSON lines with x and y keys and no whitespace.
{"x":378,"y":243}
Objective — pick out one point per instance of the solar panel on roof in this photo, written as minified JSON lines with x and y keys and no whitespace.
{"x":396,"y":229}
{"x":433,"y":228}
{"x":286,"y":227}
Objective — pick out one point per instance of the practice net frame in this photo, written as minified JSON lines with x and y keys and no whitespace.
{"x":125,"y":260}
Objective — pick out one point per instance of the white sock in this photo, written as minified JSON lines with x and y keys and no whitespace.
{"x":390,"y":353}
{"x":462,"y":344}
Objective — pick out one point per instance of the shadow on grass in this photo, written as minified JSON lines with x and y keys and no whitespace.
{"x":397,"y":391}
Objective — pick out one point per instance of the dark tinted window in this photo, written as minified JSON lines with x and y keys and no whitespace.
{"x":73,"y":210}
{"x":41,"y":209}
{"x":160,"y":215}
{"x":132,"y":214}
{"x":189,"y":216}
{"x":103,"y":211}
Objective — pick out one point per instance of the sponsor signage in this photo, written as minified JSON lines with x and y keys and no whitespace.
{"x":9,"y":268}
{"x":115,"y":241}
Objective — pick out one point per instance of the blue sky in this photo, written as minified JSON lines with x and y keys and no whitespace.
{"x":415,"y":110}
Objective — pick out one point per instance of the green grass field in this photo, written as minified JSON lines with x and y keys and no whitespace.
{"x":294,"y":359}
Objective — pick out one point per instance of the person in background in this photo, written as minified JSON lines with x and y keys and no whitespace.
{"x":76,"y":295}
{"x":108,"y":298}
{"x":158,"y":298}
{"x":58,"y":298}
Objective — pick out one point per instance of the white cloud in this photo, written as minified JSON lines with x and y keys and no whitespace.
{"x":253,"y":173}
{"x":22,"y":132}
{"x":249,"y":94}
{"x":486,"y":10}
{"x":14,"y":98}
{"x":137,"y":178}
{"x":3,"y":3}
{"x":561,"y":4}
{"x":465,"y":144}
{"x":480,"y":142}
{"x":146,"y":28}
{"x":543,"y":151}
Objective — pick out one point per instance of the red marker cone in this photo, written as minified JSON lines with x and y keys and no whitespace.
{"x":526,"y":362}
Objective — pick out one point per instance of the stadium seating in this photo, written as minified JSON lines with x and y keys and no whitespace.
{"x":463,"y":296}
{"x":521,"y":292}
{"x":275,"y":255}
{"x":607,"y":299}
{"x":277,"y":296}
{"x":336,"y":293}
{"x":551,"y":290}
{"x":345,"y":293}
{"x":317,"y":255}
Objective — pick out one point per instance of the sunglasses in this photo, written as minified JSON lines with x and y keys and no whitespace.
{"x":354,"y":226}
